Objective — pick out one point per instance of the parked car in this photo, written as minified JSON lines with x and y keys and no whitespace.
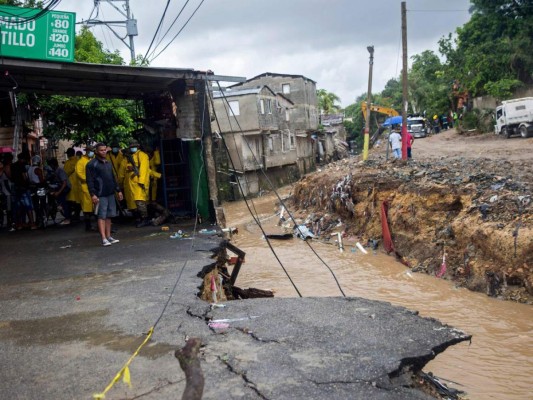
{"x":418,"y":127}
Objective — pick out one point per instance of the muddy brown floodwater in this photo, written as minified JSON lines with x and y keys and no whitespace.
{"x":496,"y":365}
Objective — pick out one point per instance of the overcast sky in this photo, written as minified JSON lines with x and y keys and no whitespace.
{"x":324,"y":40}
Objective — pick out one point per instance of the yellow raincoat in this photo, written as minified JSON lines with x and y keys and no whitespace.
{"x":116,"y":161}
{"x":70,"y":169}
{"x":155,"y":162}
{"x":85,"y":197}
{"x":132,"y":191}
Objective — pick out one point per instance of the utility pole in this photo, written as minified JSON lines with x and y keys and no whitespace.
{"x":130,"y":23}
{"x":368,"y":103}
{"x":405,"y":94}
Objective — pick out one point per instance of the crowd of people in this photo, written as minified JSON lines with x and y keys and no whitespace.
{"x":98,"y":182}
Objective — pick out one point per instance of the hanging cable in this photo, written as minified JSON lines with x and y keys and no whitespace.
{"x":177,"y":34}
{"x":169,"y":28}
{"x":20,"y":20}
{"x":278,"y":196}
{"x":256,"y":219}
{"x":156,"y":32}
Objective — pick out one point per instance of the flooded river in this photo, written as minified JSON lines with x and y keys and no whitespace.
{"x":498,"y":364}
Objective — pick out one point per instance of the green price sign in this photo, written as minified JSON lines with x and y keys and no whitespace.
{"x":32,"y":33}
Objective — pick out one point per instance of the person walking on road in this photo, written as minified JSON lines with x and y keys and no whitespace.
{"x":395,"y":140}
{"x":102,"y":186}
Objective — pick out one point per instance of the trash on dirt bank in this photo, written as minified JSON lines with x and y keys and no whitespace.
{"x":165,"y":228}
{"x":217,"y":305}
{"x":68,"y":246}
{"x":303,"y":232}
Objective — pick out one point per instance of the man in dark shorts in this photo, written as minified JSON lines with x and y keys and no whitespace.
{"x":102,"y":188}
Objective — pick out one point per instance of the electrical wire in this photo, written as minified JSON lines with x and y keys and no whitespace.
{"x":177,"y":34}
{"x":278,"y":196}
{"x":156,"y":31}
{"x":257,"y":221}
{"x":169,"y":28}
{"x":190,"y":251}
{"x":52,"y":4}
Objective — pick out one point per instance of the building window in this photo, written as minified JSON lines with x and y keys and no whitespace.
{"x":269,"y":106}
{"x":292,"y":139}
{"x":270,"y":144}
{"x":234,"y":106}
{"x":286,"y":88}
{"x":287,"y":114}
{"x":262,"y":106}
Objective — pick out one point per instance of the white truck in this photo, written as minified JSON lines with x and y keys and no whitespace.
{"x":515,"y":117}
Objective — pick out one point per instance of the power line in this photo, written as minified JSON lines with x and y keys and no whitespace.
{"x":436,"y":11}
{"x":156,"y":31}
{"x":44,"y":10}
{"x":175,"y":36}
{"x":279,"y":199}
{"x":170,"y":27}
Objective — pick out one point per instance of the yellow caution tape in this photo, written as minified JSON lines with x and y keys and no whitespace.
{"x":124,"y":372}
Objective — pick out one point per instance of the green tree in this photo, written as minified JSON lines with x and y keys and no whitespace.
{"x":328,"y":102}
{"x":86,"y":119}
{"x":429,"y":87}
{"x":88,"y":49}
{"x":492,"y":52}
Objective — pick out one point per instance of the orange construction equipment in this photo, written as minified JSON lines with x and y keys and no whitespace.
{"x":382,"y":110}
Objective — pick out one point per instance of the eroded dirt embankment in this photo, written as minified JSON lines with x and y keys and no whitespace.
{"x":477,"y":211}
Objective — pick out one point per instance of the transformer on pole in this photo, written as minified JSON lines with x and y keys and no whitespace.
{"x":129,"y":23}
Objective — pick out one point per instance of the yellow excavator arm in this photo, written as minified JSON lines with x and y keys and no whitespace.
{"x":383,"y":110}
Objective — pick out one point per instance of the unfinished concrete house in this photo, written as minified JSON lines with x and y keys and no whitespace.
{"x":267,"y":123}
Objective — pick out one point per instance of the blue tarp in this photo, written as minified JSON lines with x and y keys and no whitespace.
{"x":393,"y":121}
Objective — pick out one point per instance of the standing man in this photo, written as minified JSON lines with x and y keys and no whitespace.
{"x":102,"y":186}
{"x":395,"y":140}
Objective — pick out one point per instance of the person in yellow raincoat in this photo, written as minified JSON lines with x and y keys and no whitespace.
{"x":85,"y":197}
{"x":116,"y":158}
{"x":73,"y":197}
{"x":155,"y":175}
{"x":162,"y":213}
{"x":136,"y":170}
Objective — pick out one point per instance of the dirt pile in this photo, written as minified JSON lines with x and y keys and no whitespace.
{"x":479,"y":212}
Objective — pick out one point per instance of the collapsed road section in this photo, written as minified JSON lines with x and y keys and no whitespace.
{"x":67,"y":328}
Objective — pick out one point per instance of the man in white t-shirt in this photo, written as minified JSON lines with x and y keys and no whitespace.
{"x":395,"y":140}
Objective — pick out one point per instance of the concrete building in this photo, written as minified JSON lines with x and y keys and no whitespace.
{"x":267,"y":123}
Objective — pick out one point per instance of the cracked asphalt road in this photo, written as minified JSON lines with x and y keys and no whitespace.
{"x":73,"y":312}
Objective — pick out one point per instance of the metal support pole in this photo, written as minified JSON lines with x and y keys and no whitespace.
{"x":368,"y":103}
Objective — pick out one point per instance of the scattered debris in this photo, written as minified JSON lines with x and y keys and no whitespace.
{"x":480,"y":208}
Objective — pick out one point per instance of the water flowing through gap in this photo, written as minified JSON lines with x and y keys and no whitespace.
{"x":496,"y":365}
